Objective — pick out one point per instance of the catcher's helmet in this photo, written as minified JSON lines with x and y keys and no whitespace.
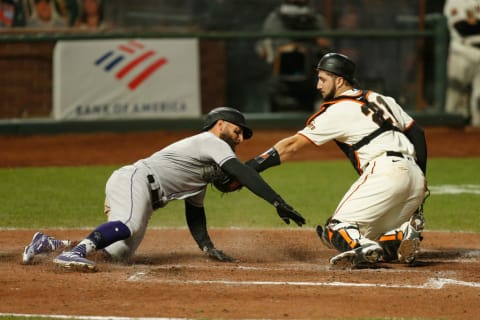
{"x":338,"y":64}
{"x":228,"y":114}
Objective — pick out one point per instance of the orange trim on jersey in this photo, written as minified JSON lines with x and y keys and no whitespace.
{"x":325,"y":105}
{"x":409,"y":126}
{"x":358,"y":162}
{"x":367,"y":94}
{"x":322,"y":109}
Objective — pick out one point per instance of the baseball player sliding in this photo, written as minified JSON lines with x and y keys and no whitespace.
{"x":463,"y":65}
{"x":180,"y":171}
{"x":378,"y":219}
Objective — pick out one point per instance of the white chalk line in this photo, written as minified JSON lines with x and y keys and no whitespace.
{"x":455,"y":189}
{"x":432,"y":283}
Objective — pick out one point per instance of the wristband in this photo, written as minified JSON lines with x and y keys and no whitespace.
{"x":269,"y":158}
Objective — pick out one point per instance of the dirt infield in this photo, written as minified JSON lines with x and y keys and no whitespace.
{"x":280,"y":274}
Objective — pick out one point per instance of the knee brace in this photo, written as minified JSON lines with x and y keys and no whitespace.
{"x":341,"y":236}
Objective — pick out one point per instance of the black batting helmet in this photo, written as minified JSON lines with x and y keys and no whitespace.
{"x":228,"y":114}
{"x":338,"y":64}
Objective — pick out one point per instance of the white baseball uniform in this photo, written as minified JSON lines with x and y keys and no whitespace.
{"x":176,"y":172}
{"x":463,"y":66}
{"x":391,"y":185}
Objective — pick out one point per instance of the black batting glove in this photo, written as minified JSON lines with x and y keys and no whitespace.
{"x":217,"y":254}
{"x":287,"y":213}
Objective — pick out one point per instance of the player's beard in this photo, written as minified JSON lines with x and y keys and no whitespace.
{"x":328,"y":96}
{"x":225,"y":137}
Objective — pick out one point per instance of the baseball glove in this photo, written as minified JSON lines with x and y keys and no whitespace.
{"x":227,"y":184}
{"x":222,"y":181}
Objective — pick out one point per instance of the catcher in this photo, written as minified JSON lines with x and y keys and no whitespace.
{"x":180,"y":171}
{"x":380,"y":217}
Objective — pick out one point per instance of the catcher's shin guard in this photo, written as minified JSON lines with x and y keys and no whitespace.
{"x":403,"y":243}
{"x":340,"y":235}
{"x":390,"y":242}
{"x":323,"y":235}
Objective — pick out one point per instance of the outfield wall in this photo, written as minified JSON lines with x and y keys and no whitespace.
{"x":292,"y":121}
{"x":26,"y":62}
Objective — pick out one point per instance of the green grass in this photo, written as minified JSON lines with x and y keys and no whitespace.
{"x":72,"y":197}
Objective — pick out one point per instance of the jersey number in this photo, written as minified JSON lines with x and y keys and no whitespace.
{"x":378,"y":109}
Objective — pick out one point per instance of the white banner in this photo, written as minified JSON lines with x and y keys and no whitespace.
{"x":103,"y":79}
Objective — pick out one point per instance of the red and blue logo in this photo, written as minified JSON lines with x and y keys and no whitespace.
{"x":131,"y":58}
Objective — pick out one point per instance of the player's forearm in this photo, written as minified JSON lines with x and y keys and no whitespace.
{"x":286,"y":148}
{"x":197,"y":224}
{"x":283,"y":150}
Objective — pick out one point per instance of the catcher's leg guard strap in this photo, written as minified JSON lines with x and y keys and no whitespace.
{"x":343,"y":236}
{"x":390,"y":242}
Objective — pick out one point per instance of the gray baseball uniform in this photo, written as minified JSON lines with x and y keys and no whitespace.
{"x":175,"y":172}
{"x":181,"y":170}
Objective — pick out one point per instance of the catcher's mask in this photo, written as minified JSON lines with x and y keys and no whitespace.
{"x":228,"y":114}
{"x":338,"y":64}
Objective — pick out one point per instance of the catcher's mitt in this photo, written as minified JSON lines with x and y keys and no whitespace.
{"x":220,"y":179}
{"x":227,"y":184}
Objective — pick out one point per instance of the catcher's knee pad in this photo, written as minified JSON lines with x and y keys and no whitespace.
{"x":341,"y":235}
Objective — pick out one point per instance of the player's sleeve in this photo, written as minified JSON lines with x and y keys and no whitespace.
{"x":416,"y":135}
{"x":198,"y":199}
{"x":401,"y":119}
{"x":197,"y":224}
{"x":250,"y":178}
{"x":412,"y":130}
{"x":321,"y":130}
